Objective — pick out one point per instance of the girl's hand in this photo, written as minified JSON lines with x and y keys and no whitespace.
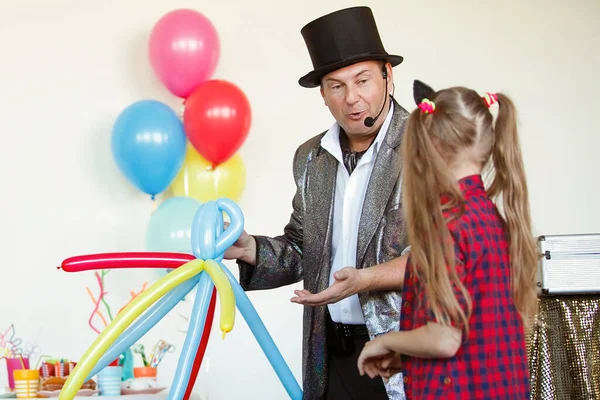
{"x":390,"y":366}
{"x":377,"y":359}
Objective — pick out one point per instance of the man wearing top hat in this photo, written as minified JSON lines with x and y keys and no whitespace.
{"x":346,"y":210}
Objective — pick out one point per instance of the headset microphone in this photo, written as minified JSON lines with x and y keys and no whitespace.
{"x":370,"y":121}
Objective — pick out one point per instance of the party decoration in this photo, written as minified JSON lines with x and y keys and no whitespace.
{"x":217,"y":119}
{"x":170,"y":225}
{"x":127,"y":363}
{"x":139,"y":349}
{"x":149,"y":319}
{"x":125,"y":260}
{"x":12,"y":346}
{"x":158,"y":352}
{"x":101,"y":299}
{"x":184,"y":50}
{"x":209,"y":242}
{"x":148,"y":144}
{"x":199,"y":179}
{"x":130,"y":314}
{"x":149,"y":139}
{"x":100,"y":279}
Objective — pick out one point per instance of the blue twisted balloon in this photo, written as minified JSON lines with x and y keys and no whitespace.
{"x":209,"y":241}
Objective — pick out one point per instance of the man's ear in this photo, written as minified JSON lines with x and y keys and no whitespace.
{"x":390,"y":77}
{"x":323,"y":95}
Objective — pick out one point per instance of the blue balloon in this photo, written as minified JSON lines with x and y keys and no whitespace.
{"x":149,"y":144}
{"x":193,"y":337}
{"x":264,"y":339}
{"x":204,"y":231}
{"x":209,"y":241}
{"x":234,"y":230}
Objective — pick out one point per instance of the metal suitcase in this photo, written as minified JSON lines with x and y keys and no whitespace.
{"x":569,"y":264}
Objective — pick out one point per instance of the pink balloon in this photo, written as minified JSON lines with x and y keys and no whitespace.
{"x":184,"y":50}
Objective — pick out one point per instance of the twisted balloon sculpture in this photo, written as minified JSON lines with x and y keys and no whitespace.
{"x":204,"y":270}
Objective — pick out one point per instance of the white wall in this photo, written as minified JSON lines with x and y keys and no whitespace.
{"x":68,"y":68}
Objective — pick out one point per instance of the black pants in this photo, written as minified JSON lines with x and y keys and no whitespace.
{"x":344,"y":381}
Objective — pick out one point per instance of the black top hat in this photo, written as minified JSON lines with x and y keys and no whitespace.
{"x":340,"y":39}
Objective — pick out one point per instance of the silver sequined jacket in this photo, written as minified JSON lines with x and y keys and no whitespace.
{"x":303,"y":252}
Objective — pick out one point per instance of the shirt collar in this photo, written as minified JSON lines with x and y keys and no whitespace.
{"x":470,"y":183}
{"x":467,"y":186}
{"x":331,"y":139}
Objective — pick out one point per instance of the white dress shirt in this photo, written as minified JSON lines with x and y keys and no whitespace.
{"x":350,"y":193}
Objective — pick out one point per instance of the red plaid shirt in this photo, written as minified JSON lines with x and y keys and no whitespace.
{"x":492,"y":363}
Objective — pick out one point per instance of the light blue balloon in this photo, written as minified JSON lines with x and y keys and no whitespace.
{"x":204,"y":231}
{"x":192,"y":339}
{"x":235,"y":228}
{"x":264,"y":339}
{"x":149,"y":145}
{"x":209,"y":240}
{"x":170,"y":226}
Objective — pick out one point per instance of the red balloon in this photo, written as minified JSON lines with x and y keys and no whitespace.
{"x":217,"y":119}
{"x":125,"y":260}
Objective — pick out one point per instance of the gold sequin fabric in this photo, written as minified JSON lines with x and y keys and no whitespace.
{"x":564,"y":349}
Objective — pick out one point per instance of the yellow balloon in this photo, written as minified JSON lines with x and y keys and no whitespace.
{"x":199,"y":179}
{"x":140,"y":304}
{"x":226,"y":295}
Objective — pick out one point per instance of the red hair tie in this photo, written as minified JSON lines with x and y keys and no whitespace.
{"x":490,"y":99}
{"x":427,"y":106}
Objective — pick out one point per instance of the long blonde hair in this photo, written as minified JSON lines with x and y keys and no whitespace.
{"x":461,"y":129}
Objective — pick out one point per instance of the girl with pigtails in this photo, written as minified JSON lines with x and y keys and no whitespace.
{"x":468,"y":282}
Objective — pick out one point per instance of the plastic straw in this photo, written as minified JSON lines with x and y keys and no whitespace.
{"x":37,"y":364}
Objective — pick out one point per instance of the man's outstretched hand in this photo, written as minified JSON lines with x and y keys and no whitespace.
{"x":243,"y":249}
{"x":347,"y":283}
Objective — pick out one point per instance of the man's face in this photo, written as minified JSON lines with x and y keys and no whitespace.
{"x":354,"y":93}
